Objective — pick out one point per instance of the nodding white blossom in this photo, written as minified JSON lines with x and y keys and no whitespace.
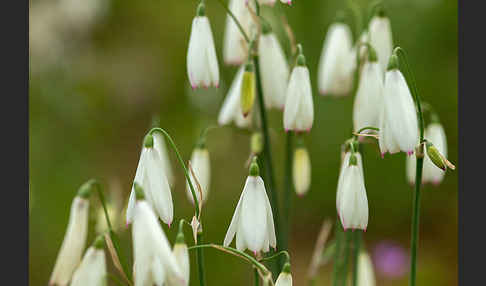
{"x":181,"y":254}
{"x":231,"y":109}
{"x":92,"y":270}
{"x":337,"y":62}
{"x":274,"y":70}
{"x":160,"y":146}
{"x":301,"y":171}
{"x":252,"y":222}
{"x":154,"y":262}
{"x":431,"y":173}
{"x":351,"y":200}
{"x":344,"y":164}
{"x":369,"y":96}
{"x":380,"y":37}
{"x":202,"y":63}
{"x":366,"y":274}
{"x":299,"y":107}
{"x":74,"y":241}
{"x":398,"y":119}
{"x":235,"y":49}
{"x":285,"y":277}
{"x":202,"y":169}
{"x":150,"y":175}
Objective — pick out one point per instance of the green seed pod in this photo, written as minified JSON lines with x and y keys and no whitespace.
{"x":247,"y":97}
{"x":435,"y":156}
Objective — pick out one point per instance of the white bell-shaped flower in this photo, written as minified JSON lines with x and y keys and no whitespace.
{"x":369,"y":96}
{"x":351,"y":196}
{"x":274,"y":69}
{"x":235,"y":48}
{"x":161,"y":147}
{"x":74,"y":240}
{"x":285,"y":277}
{"x":154,"y":262}
{"x":231,"y":109}
{"x":202,"y":169}
{"x":299,"y":107}
{"x":380,"y":37}
{"x":366,"y":274}
{"x":344,"y":164}
{"x":181,"y":254}
{"x":150,"y":175}
{"x":431,"y":173}
{"x":337,"y":62}
{"x":92,"y":270}
{"x":202,"y":62}
{"x":398,"y":122}
{"x":301,"y":170}
{"x":252,"y":222}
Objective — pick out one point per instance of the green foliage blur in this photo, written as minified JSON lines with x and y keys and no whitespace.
{"x":100,"y":69}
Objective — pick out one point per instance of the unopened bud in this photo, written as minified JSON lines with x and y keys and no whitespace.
{"x":301,"y":170}
{"x":247,"y":97}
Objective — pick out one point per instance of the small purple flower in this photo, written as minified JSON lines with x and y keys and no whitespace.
{"x":391,"y":259}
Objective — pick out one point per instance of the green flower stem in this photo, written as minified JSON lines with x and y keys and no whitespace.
{"x":238,"y":24}
{"x":267,"y":156}
{"x":200,"y":256}
{"x":113,"y":236}
{"x":337,"y":252}
{"x":403,"y":62}
{"x":368,"y":128}
{"x":235,"y":252}
{"x":357,"y":245}
{"x":283,"y":252}
{"x":288,"y":184}
{"x":344,"y":267}
{"x":257,"y":276}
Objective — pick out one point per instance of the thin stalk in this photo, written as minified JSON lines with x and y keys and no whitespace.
{"x":419,"y":167}
{"x":357,"y":246}
{"x":283,"y":252}
{"x":257,"y":276}
{"x":287,"y":200}
{"x":200,"y":256}
{"x":113,"y":236}
{"x":337,"y":252}
{"x":267,"y":156}
{"x":344,"y":267}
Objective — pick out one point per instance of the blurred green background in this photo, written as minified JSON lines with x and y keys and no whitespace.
{"x":99,"y":69}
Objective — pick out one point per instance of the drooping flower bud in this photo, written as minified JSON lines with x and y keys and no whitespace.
{"x":235,"y":49}
{"x":92,"y":270}
{"x":351,"y":200}
{"x":154,"y":262}
{"x":301,"y":170}
{"x":202,"y":63}
{"x":74,"y":240}
{"x":369,"y":96}
{"x":285,"y":277}
{"x":181,"y":254}
{"x":200,"y":164}
{"x":274,"y":69}
{"x":231,"y":109}
{"x":398,"y":118}
{"x":299,"y":107}
{"x":247,"y":97}
{"x":252,"y":222}
{"x":150,"y":175}
{"x":337,"y":61}
{"x":380,"y":36}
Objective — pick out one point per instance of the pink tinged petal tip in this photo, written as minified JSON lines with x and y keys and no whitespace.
{"x":289,"y":2}
{"x":409,"y":153}
{"x":382,"y":155}
{"x":286,"y":130}
{"x":169,"y":224}
{"x":127,"y":224}
{"x":255,"y":253}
